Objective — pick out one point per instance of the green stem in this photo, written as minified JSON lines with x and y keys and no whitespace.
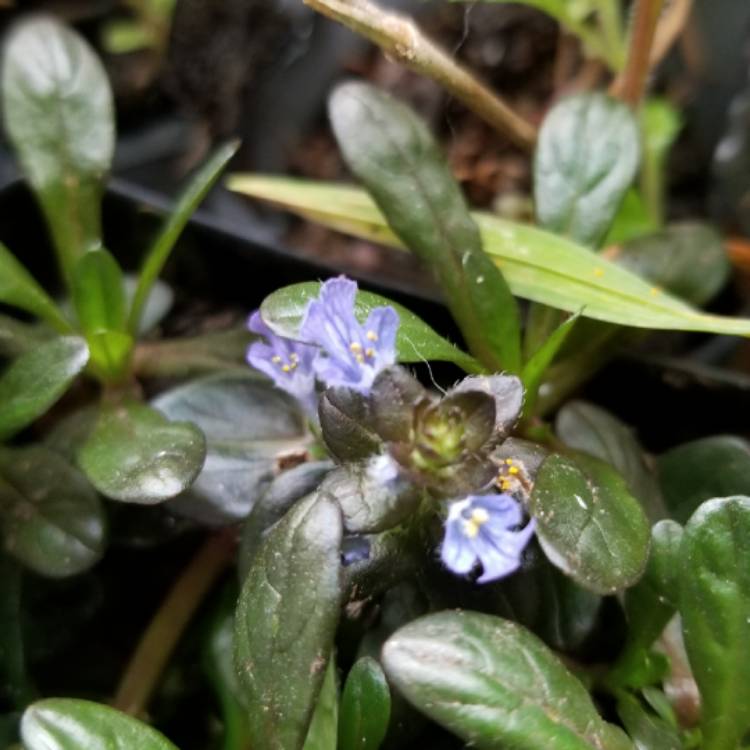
{"x":163,"y":632}
{"x":613,"y":32}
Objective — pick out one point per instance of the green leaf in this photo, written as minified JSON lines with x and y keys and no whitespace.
{"x":186,"y":206}
{"x":588,"y":523}
{"x":592,"y":430}
{"x":19,"y":289}
{"x":687,"y":259}
{"x":536,"y":366}
{"x":661,"y":123}
{"x":649,"y":606}
{"x":17,"y":338}
{"x":249,"y":427}
{"x":631,"y":221}
{"x":539,"y":266}
{"x":286,"y":620}
{"x":99,"y":293}
{"x":59,"y":117}
{"x":217,"y":660}
{"x":390,"y":149}
{"x":68,"y":724}
{"x":37,"y":379}
{"x":586,"y":159}
{"x":322,"y":732}
{"x":715,"y":607}
{"x":51,"y":520}
{"x":136,"y":455}
{"x":372,"y":495}
{"x":99,"y":300}
{"x":701,"y":470}
{"x":15,"y":684}
{"x":365,"y":707}
{"x":648,"y":731}
{"x":283,"y":311}
{"x":289,"y":487}
{"x":495,"y":685}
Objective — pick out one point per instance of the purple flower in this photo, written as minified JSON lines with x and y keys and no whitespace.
{"x":288,"y":363}
{"x":484,"y":528}
{"x":351,"y":354}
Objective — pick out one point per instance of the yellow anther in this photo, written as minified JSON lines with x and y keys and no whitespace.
{"x":370,"y":352}
{"x":355,"y":347}
{"x":276,"y":359}
{"x":479,"y":517}
{"x":598,"y":272}
{"x":513,"y":470}
{"x":372,"y":336}
{"x":286,"y":368}
{"x":359,"y":358}
{"x":509,"y":461}
{"x":294,"y":357}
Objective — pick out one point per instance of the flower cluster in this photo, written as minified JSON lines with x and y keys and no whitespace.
{"x":441,"y":440}
{"x":333,"y":346}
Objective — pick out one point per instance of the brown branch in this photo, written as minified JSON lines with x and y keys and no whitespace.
{"x":164,"y":631}
{"x":400,"y":38}
{"x":631,"y":84}
{"x":669,"y":29}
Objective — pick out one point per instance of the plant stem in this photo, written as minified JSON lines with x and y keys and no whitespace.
{"x":399,"y":37}
{"x":669,"y":29}
{"x":164,"y":631}
{"x":610,"y":22}
{"x":630,"y":85}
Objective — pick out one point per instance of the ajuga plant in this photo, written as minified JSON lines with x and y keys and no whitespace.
{"x":477,"y":562}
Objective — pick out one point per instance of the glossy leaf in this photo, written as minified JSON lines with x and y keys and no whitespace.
{"x":59,"y":117}
{"x":136,"y":455}
{"x":535,"y":368}
{"x":365,"y":707}
{"x":539,"y":266}
{"x":416,"y":341}
{"x":495,"y":685}
{"x":701,"y":470}
{"x":99,"y":292}
{"x":285,"y":490}
{"x":19,"y":289}
{"x":648,"y":731}
{"x":649,"y":605}
{"x":586,"y":159}
{"x":33,"y":382}
{"x":588,"y":523}
{"x":187,"y":204}
{"x":69,"y":724}
{"x":51,"y":520}
{"x":715,"y":608}
{"x":590,"y":429}
{"x":324,"y":724}
{"x":687,"y":259}
{"x":390,"y":149}
{"x":99,"y":300}
{"x":249,"y":426}
{"x":281,"y":660}
{"x":15,"y":683}
{"x":372,"y":494}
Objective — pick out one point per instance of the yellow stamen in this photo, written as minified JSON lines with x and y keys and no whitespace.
{"x":294,"y":357}
{"x":285,"y":368}
{"x":359,"y":358}
{"x":276,"y":359}
{"x":372,"y":336}
{"x":355,"y":347}
{"x":479,"y":517}
{"x":509,"y":461}
{"x":370,"y":352}
{"x":513,"y":470}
